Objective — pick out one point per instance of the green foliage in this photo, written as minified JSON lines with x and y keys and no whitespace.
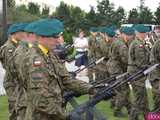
{"x":145,"y":16}
{"x":45,"y":11}
{"x":157,"y":15}
{"x":105,"y":12}
{"x":133,"y":16}
{"x":33,"y":8}
{"x":119,"y":16}
{"x":20,"y":16}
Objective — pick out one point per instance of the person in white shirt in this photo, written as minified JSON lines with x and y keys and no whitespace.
{"x":81,"y":46}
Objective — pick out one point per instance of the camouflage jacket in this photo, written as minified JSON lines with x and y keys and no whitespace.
{"x":6,"y":54}
{"x":138,"y":55}
{"x":45,"y":81}
{"x":154,"y":59}
{"x":18,"y":57}
{"x":118,"y":57}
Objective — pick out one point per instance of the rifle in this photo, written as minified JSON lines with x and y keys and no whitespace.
{"x":108,"y":92}
{"x":93,"y":63}
{"x":69,"y":97}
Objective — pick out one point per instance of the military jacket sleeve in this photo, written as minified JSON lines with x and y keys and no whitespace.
{"x":139,"y":55}
{"x":46,"y":79}
{"x":119,"y":52}
{"x":67,"y":82}
{"x":6,"y":55}
{"x":154,"y":59}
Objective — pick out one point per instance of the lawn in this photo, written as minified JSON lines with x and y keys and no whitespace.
{"x":103,"y":106}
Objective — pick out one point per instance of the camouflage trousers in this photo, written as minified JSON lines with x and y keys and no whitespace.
{"x":156,"y":94}
{"x":21,"y":113}
{"x":12,"y":110}
{"x":33,"y":114}
{"x":122,"y":99}
{"x":140,"y":103}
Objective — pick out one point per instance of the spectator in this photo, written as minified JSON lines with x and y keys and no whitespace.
{"x":81,"y":46}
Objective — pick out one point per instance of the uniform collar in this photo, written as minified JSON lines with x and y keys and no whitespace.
{"x":14,"y":40}
{"x":43,"y":49}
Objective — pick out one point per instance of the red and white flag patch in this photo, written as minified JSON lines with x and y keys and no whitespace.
{"x":37,"y":62}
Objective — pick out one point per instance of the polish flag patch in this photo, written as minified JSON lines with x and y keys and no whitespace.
{"x":37,"y":62}
{"x":141,"y":46}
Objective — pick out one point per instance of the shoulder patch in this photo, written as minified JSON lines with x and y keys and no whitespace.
{"x":37,"y":61}
{"x":10,"y":50}
{"x":141,"y":46}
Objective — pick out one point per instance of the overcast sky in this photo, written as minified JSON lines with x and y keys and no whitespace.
{"x":85,"y":4}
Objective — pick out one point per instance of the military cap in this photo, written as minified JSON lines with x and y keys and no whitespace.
{"x":93,"y":29}
{"x":102,"y":29}
{"x":110,"y":32}
{"x":127,"y":30}
{"x":31,"y":27}
{"x":141,"y":28}
{"x":16,"y":28}
{"x":49,"y":27}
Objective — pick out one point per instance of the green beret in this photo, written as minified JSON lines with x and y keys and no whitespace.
{"x":31,"y":27}
{"x":49,"y":27}
{"x":16,"y":28}
{"x":141,"y":28}
{"x":127,"y":30}
{"x":102,"y":29}
{"x":110,"y":32}
{"x":93,"y":29}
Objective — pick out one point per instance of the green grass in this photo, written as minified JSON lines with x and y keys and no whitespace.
{"x":103,"y":106}
{"x":3,"y":108}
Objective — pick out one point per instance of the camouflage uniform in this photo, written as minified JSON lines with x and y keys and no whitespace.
{"x":94,"y":54}
{"x":155,"y":75}
{"x":45,"y":81}
{"x":19,"y":55}
{"x":6,"y":54}
{"x":117,"y":64}
{"x":138,"y":58}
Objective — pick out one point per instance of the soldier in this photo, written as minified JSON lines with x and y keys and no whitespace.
{"x":15,"y":33}
{"x":127,"y":35}
{"x":19,"y":54}
{"x":117,"y":64}
{"x":138,"y":58}
{"x":92,"y":48}
{"x":46,"y":78}
{"x":101,"y":50}
{"x":154,"y":77}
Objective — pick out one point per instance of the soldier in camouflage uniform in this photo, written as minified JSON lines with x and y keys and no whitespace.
{"x":95,"y":53}
{"x":19,"y":54}
{"x":6,"y":54}
{"x":138,"y":58}
{"x":154,"y":77}
{"x":101,"y":72}
{"x":117,"y":64}
{"x":46,"y":77}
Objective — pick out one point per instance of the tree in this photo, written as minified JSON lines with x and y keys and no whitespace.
{"x":145,"y":16}
{"x":21,"y":8}
{"x":45,"y":11}
{"x":105,"y":12}
{"x":33,"y":8}
{"x":119,"y":16}
{"x":92,"y":17}
{"x":157,"y":15}
{"x":133,"y":17}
